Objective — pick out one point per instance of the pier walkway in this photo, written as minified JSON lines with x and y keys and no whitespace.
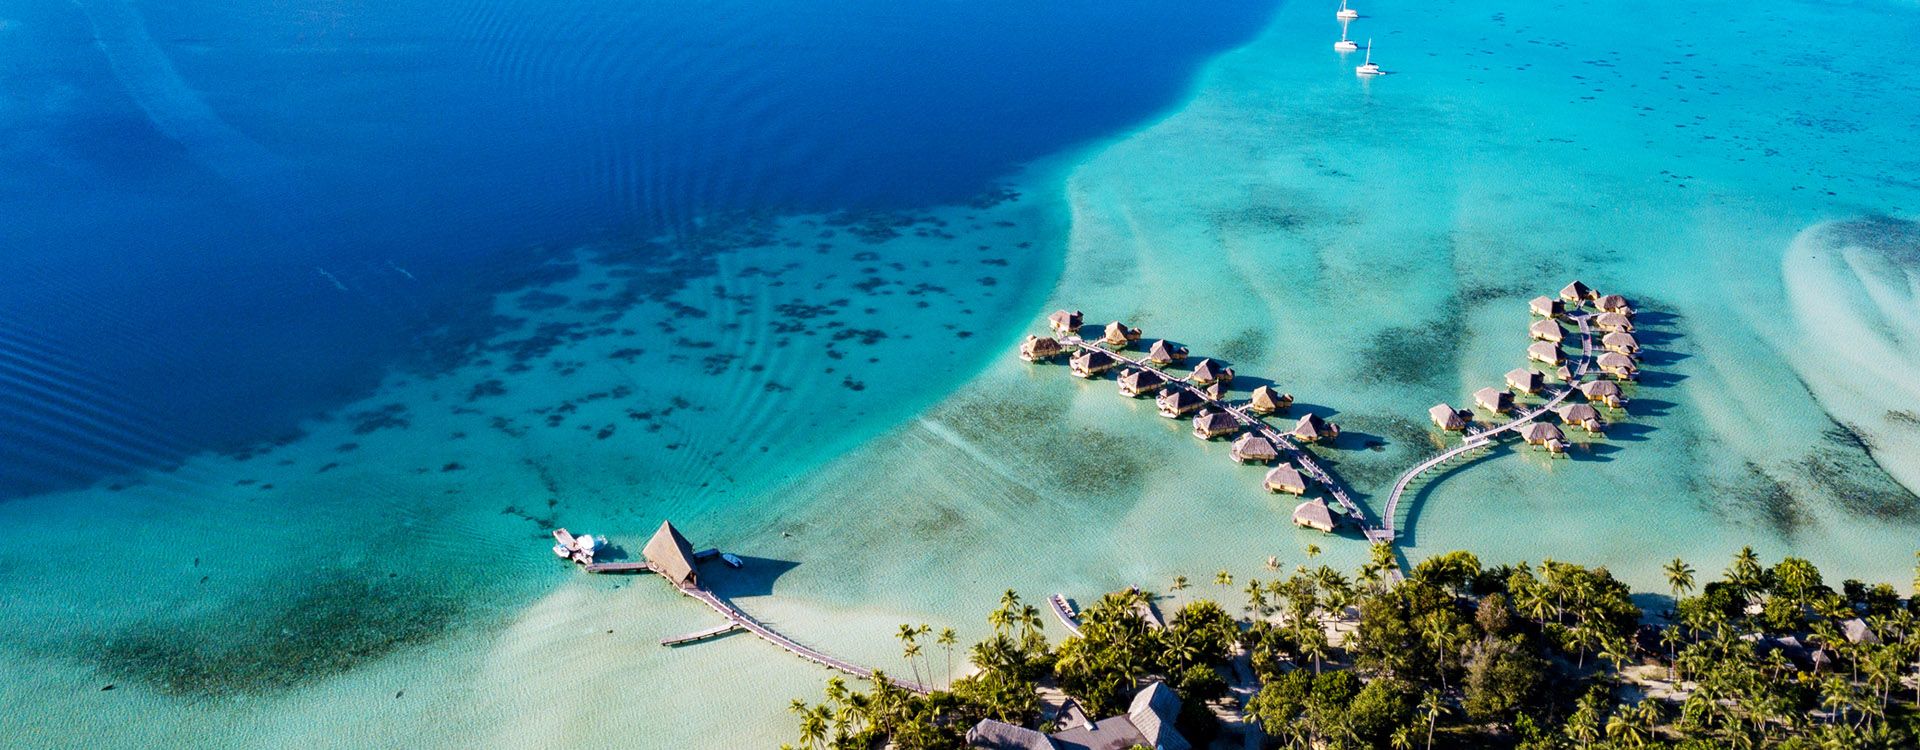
{"x":745,"y":622}
{"x":1482,"y":438}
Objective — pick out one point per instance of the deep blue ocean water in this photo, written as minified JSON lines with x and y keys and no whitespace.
{"x":217,"y":219}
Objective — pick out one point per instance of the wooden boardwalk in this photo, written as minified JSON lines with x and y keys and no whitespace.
{"x":1483,"y":438}
{"x":745,"y":622}
{"x":701,"y":635}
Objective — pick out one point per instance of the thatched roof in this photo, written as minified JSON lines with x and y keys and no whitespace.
{"x":1142,"y":378}
{"x":1152,"y":712}
{"x":1578,"y":414}
{"x":1546,"y":330}
{"x":1857,"y":631}
{"x":1266,"y":400}
{"x":1576,"y":292}
{"x":1216,"y":390}
{"x":1092,"y":359}
{"x":672,"y":555}
{"x":1544,"y":351}
{"x":1208,"y":371}
{"x":1215,"y":422}
{"x":1620,"y":340}
{"x":1615,"y":361}
{"x":1613,"y":303}
{"x":1178,"y":400}
{"x":1253,"y":448}
{"x":1612,"y":321}
{"x":1162,"y":353}
{"x":1447,"y":417}
{"x":1599,"y":389}
{"x":1118,"y":332}
{"x":1493,"y":399}
{"x":1525,"y":379}
{"x":1315,"y":514}
{"x":1541,"y":432}
{"x":993,"y":734}
{"x":1065,"y":322}
{"x":1037,"y":347}
{"x":1285,"y":478}
{"x":1547,"y":306}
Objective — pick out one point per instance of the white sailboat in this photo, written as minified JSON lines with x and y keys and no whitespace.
{"x":1346,"y":13}
{"x":1368,"y":68}
{"x":1345,"y":44}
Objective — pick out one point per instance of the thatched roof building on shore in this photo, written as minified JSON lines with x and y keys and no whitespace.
{"x":1037,"y":348}
{"x":1603,"y":391}
{"x":1089,"y":363}
{"x":1313,"y":429}
{"x":1175,"y":403}
{"x":1583,"y":416}
{"x":1524,"y":380}
{"x":1608,"y":321}
{"x":1148,"y":722}
{"x":1140,"y":381}
{"x":1544,"y":352}
{"x":1163,"y":353}
{"x":1618,"y":365}
{"x":1314,"y":514}
{"x":1118,"y":335}
{"x":1064,"y":322}
{"x":1447,"y":418}
{"x":1285,"y":478}
{"x":1546,"y":307}
{"x":1213,"y":424}
{"x":1209,"y":371}
{"x":1576,"y":292}
{"x":1254,"y":449}
{"x":1621,"y":342}
{"x":1493,"y":399}
{"x":671,"y":556}
{"x":1546,"y":330}
{"x":1266,"y":400}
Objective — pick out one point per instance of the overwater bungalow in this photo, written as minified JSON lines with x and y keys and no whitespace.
{"x":1216,"y":390}
{"x":1613,"y":321}
{"x":1064,"y":322}
{"x":1088,"y":363}
{"x":1266,"y":400}
{"x":671,"y":556}
{"x":1314,"y":514}
{"x":1253,"y":449}
{"x":1209,"y":371}
{"x":1175,"y":403}
{"x":1038,"y":348}
{"x":1141,"y":382}
{"x":1546,"y":307}
{"x":1285,"y":478}
{"x":1563,"y":374}
{"x":1583,"y":416}
{"x":1546,"y":436}
{"x":1546,"y":330}
{"x":1613,"y":303}
{"x":1604,"y":392}
{"x":1623,"y":343}
{"x":1524,"y":380}
{"x":1163,"y":353}
{"x":1312,"y":429}
{"x":1213,"y":424}
{"x":1544,"y":352}
{"x":1118,"y":335}
{"x":1493,"y":400}
{"x":1447,"y":418}
{"x":1620,"y":366}
{"x":1576,"y":293}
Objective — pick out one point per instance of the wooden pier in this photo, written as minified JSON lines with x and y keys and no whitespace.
{"x":619,"y":567}
{"x":701,"y":635}
{"x":741,"y":620}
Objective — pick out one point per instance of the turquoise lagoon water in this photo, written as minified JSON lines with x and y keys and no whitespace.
{"x":836,"y":400}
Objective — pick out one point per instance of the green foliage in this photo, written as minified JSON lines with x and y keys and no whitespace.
{"x":1381,"y":707}
{"x":1503,"y":675}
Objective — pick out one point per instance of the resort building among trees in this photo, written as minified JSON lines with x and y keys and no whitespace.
{"x":1148,"y":723}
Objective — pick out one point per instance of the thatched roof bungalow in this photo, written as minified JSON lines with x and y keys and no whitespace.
{"x":1544,"y":352}
{"x":1546,"y":307}
{"x":1209,"y":371}
{"x":1618,"y":365}
{"x":1037,"y":348}
{"x":1576,"y":292}
{"x":1216,"y":390}
{"x":1623,"y":343}
{"x":1313,"y":429}
{"x":1543,"y":434}
{"x":1088,"y":363}
{"x":1611,"y":321}
{"x":1163,"y":353}
{"x":1139,"y":382}
{"x":1314,"y":514}
{"x":1175,"y":403}
{"x":1546,"y":330}
{"x":1266,"y":400}
{"x":1065,"y":322}
{"x":1493,"y":399}
{"x":671,"y":556}
{"x":1563,"y":374}
{"x":1213,"y":424}
{"x":1603,"y":391}
{"x":1524,"y":380}
{"x":1118,"y":335}
{"x":1254,"y":449}
{"x":1613,"y":303}
{"x":1583,"y":416}
{"x":1285,"y":478}
{"x":994,"y":734}
{"x":1447,"y":418}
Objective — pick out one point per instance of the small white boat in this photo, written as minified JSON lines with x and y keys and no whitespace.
{"x":1346,"y":13}
{"x":1345,"y":44}
{"x":731,"y":560}
{"x":1368,"y":69}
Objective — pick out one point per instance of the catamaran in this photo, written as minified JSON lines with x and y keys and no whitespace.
{"x":1345,"y":44}
{"x":1346,"y":13}
{"x":1368,"y":68}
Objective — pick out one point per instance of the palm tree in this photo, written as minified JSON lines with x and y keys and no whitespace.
{"x":1623,"y":727}
{"x":909,"y":648}
{"x":1223,"y":578}
{"x":1313,"y":551}
{"x":1256,"y":598}
{"x":1179,"y":584}
{"x":1001,"y":618}
{"x":1432,"y":707}
{"x":1680,"y":577}
{"x":1313,"y":643}
{"x":947,"y":640}
{"x":1403,"y":738}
